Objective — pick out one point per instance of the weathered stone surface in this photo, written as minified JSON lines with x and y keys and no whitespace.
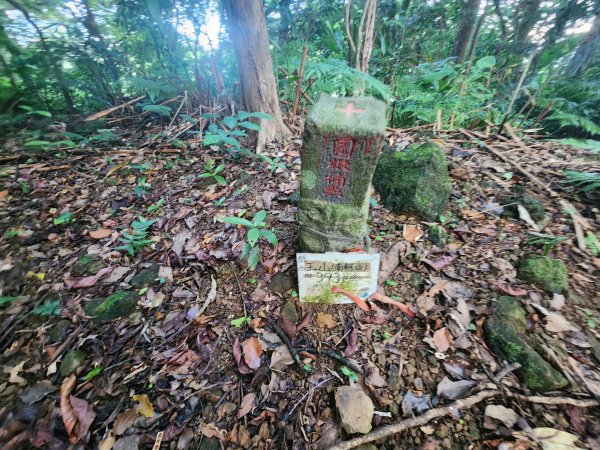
{"x":146,"y":277}
{"x":281,"y":283}
{"x":506,"y":333}
{"x":414,"y":181}
{"x":355,"y":409}
{"x":119,"y":304}
{"x":342,"y":141}
{"x":71,"y":361}
{"x":288,"y":311}
{"x":549,"y":274}
{"x":534,"y":207}
{"x":87,"y":265}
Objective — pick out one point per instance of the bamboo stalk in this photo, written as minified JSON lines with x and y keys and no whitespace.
{"x":299,"y":84}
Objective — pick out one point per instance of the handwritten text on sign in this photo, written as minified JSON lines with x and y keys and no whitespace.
{"x":319,"y":273}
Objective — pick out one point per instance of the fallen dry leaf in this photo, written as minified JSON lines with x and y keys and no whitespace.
{"x":100,"y":233}
{"x":281,"y":357}
{"x":89,"y":281}
{"x":77,"y":414}
{"x":247,"y":404}
{"x":426,"y":301}
{"x":325,"y":320}
{"x":441,"y":339}
{"x":144,"y":405}
{"x":253,"y":350}
{"x":556,"y":323}
{"x":13,"y":374}
{"x":411,"y":233}
{"x":440,"y":263}
{"x":125,"y":420}
{"x":553,"y":439}
{"x":108,"y":441}
{"x":3,"y":195}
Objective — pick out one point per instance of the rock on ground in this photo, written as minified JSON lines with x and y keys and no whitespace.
{"x":355,"y":409}
{"x":549,"y":274}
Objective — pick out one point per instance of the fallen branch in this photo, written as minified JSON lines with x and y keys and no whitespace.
{"x":108,"y":111}
{"x":286,"y":340}
{"x":405,"y":424}
{"x":468,"y":402}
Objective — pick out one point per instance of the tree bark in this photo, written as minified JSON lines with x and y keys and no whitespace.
{"x":285,"y":22}
{"x":530,"y":13}
{"x":248,"y":31}
{"x":468,"y":17}
{"x":587,"y":52}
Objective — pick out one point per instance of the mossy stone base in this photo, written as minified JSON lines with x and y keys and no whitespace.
{"x":87,"y":265}
{"x":119,"y":304}
{"x":415,"y":181}
{"x":437,"y":235}
{"x":146,"y":277}
{"x":506,"y":334}
{"x":535,"y":208}
{"x":71,"y":362}
{"x":549,"y":274}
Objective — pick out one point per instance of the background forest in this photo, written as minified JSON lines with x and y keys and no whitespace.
{"x":455,"y":62}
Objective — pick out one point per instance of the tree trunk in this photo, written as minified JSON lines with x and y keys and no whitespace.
{"x":530,"y":12}
{"x":248,"y":31}
{"x":587,"y":52}
{"x":468,"y":17}
{"x":285,"y":22}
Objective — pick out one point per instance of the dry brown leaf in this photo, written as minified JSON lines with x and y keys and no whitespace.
{"x":325,"y":320}
{"x":100,"y":233}
{"x":3,"y":195}
{"x":556,"y":323}
{"x":108,"y":441}
{"x":411,"y":233}
{"x":247,"y":404}
{"x":144,"y":405}
{"x":252,"y":352}
{"x":441,"y":339}
{"x":426,"y":301}
{"x":210,"y":430}
{"x":125,"y":420}
{"x":66,"y":410}
{"x":77,"y":414}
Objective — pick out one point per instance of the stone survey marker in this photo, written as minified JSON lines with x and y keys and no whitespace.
{"x":342,"y":141}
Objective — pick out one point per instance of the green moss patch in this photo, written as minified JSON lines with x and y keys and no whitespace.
{"x":119,"y":304}
{"x":414,"y":182}
{"x":87,"y":265}
{"x":549,"y":274}
{"x":507,"y":335}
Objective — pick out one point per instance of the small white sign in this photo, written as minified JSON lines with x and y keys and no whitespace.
{"x":319,"y":273}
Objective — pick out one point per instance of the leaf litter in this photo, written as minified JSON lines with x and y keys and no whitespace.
{"x":178,"y":366}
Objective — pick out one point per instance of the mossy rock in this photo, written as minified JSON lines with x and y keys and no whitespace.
{"x":59,"y":331}
{"x":87,"y":265}
{"x":146,"y":277}
{"x":507,"y":336}
{"x":549,"y":274}
{"x":119,"y":304}
{"x":281,"y":283}
{"x":71,"y":361}
{"x":415,"y":181}
{"x":535,"y":208}
{"x":437,"y":235}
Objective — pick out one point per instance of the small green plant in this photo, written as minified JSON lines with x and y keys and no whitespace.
{"x":592,"y":243}
{"x":136,"y":240}
{"x":257,"y":230}
{"x":590,"y":319}
{"x":92,"y":373}
{"x":307,"y":367}
{"x":52,"y":308}
{"x":386,"y":336}
{"x":66,"y":217}
{"x":156,"y":206}
{"x":142,"y":187}
{"x":349,"y":373}
{"x":233,"y":127}
{"x":584,"y":181}
{"x":212,"y":172}
{"x":449,"y":219}
{"x":25,"y":189}
{"x":240,"y":321}
{"x":548,"y":241}
{"x":390,"y":282}
{"x":274,"y":163}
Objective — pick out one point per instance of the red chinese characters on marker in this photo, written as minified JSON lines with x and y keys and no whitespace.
{"x":339,"y":164}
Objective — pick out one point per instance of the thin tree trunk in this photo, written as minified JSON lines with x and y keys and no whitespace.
{"x":285,"y":22}
{"x":468,"y":17}
{"x":528,"y":19}
{"x":587,"y":52}
{"x":248,"y":31}
{"x":54,"y":67}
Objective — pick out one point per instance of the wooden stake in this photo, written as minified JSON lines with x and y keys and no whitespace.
{"x":299,"y":84}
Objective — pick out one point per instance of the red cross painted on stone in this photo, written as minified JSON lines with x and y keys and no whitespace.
{"x":349,"y":110}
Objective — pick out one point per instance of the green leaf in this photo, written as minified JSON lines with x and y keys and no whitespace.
{"x":245,"y":250}
{"x":211,"y":139}
{"x":349,"y":373}
{"x":270,"y":237}
{"x":209,"y":116}
{"x":161,"y":110}
{"x":240,"y":133}
{"x":254,"y":257}
{"x":230,"y":121}
{"x":188,"y":119}
{"x":38,"y":144}
{"x":241,"y":321}
{"x":237,"y":221}
{"x":64,"y":218}
{"x":92,"y":373}
{"x":250,"y":126}
{"x":260,"y":217}
{"x":260,"y":115}
{"x":40,"y":113}
{"x":48,"y":309}
{"x":219,"y":168}
{"x":205,"y":175}
{"x":219,"y":179}
{"x":7,"y":299}
{"x":253,"y":236}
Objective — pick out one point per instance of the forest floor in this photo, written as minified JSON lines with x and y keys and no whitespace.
{"x":184,"y":369}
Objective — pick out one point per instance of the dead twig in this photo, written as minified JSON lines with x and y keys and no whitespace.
{"x":286,"y":340}
{"x":343,"y":360}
